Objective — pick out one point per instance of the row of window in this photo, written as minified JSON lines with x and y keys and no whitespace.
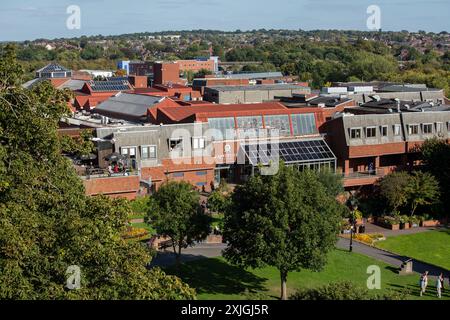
{"x":302,"y":124}
{"x":412,"y":129}
{"x":147,"y":152}
{"x":181,"y":174}
{"x":150,"y":151}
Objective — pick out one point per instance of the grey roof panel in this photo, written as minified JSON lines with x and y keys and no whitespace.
{"x":73,"y":84}
{"x":135,"y":105}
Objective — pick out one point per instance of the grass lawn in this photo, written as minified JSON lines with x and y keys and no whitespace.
{"x":214,"y":278}
{"x":430,"y":246}
{"x":145,"y":226}
{"x":136,"y":216}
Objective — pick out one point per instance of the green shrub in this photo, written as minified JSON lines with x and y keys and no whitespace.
{"x":345,"y":290}
{"x":414,"y":220}
{"x":391,"y":220}
{"x":140,"y":204}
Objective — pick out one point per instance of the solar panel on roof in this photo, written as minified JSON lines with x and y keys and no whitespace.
{"x":111,"y":85}
{"x":289,"y":152}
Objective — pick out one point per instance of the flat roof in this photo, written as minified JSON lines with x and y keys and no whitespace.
{"x":254,"y":75}
{"x":279,"y":86}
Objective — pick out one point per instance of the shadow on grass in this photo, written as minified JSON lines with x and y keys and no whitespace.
{"x":215,"y":276}
{"x":392,"y":269}
{"x":414,"y":290}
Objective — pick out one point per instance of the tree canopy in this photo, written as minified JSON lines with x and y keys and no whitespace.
{"x":175,"y":212}
{"x":287,"y":220}
{"x":436,"y":157}
{"x":48,"y":223}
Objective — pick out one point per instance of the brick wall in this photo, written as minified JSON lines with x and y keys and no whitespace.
{"x":123,"y":186}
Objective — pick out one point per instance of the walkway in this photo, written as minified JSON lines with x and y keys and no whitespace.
{"x":214,"y":250}
{"x":389,"y":258}
{"x":200,"y":251}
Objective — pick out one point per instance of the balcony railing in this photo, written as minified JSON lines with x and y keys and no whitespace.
{"x":364,"y":174}
{"x":95,"y":173}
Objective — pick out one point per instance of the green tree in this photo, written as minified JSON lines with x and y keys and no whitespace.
{"x":332,"y":182}
{"x":435,"y":155}
{"x":201,"y":73}
{"x":47,"y":222}
{"x":394,"y":188}
{"x":287,"y":221}
{"x":91,"y":52}
{"x":423,"y":190}
{"x":175,"y":212}
{"x":218,"y":201}
{"x":80,"y":146}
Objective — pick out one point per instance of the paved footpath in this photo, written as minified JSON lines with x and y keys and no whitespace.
{"x":390,"y":258}
{"x":203,"y":250}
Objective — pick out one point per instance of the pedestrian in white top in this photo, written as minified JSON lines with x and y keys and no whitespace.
{"x":423,"y":283}
{"x":439,"y":285}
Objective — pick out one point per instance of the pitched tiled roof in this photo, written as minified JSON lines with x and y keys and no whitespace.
{"x":219,"y":110}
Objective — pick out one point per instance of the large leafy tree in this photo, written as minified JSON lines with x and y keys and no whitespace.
{"x":332,"y":182}
{"x":175,"y":212}
{"x":47,"y":223}
{"x":436,"y":158}
{"x":394,"y":188}
{"x":422,"y":190}
{"x":288,"y":221}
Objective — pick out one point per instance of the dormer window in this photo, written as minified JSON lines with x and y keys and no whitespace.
{"x":371,"y":132}
{"x":413,"y":129}
{"x":355,"y":133}
{"x":427,"y":128}
{"x":176,"y":144}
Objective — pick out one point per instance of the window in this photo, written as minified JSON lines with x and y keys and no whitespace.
{"x":413,"y":129}
{"x":200,"y":184}
{"x":198,"y":143}
{"x":427,"y":128}
{"x":201,"y":173}
{"x":148,"y":152}
{"x":222,"y":128}
{"x":280,"y":123}
{"x":371,"y":132}
{"x":439,"y":127}
{"x":355,"y":133}
{"x":397,"y":129}
{"x":304,"y":124}
{"x":128,"y":151}
{"x":178,"y":174}
{"x":249,"y":125}
{"x":384,"y":131}
{"x":176,"y":144}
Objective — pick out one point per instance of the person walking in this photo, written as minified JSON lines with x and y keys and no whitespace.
{"x":423,"y":283}
{"x":439,"y":285}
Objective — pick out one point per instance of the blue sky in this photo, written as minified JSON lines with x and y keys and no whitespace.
{"x":31,"y":19}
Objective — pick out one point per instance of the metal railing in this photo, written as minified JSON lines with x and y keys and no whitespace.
{"x":364,"y":174}
{"x":94,"y":173}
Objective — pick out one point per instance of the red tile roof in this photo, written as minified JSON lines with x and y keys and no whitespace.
{"x":202,"y":112}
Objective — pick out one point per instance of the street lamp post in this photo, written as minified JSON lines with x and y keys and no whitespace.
{"x":353,"y":203}
{"x":351,"y":231}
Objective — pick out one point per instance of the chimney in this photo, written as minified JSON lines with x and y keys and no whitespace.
{"x":398,"y":104}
